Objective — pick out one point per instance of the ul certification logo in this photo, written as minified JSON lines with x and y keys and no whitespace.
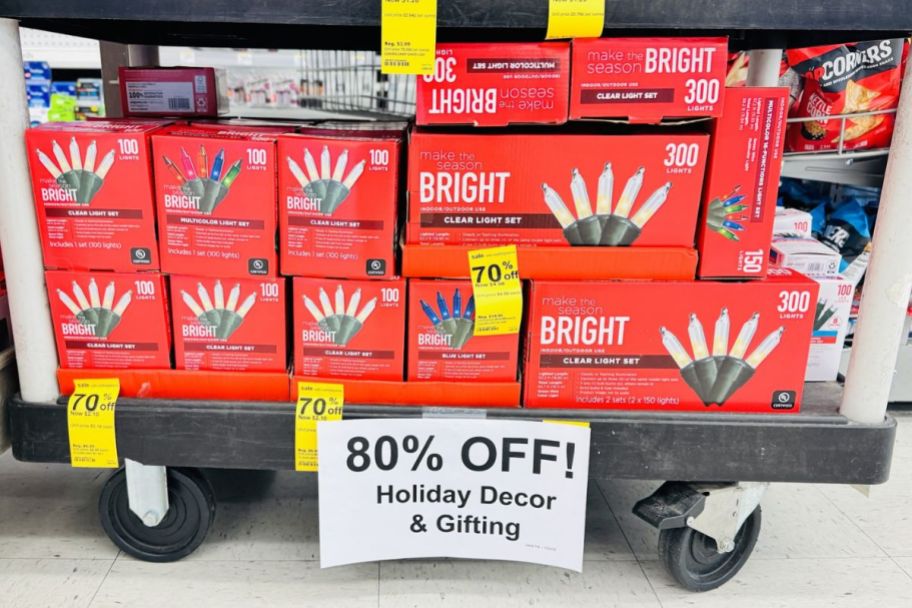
{"x":784,"y":400}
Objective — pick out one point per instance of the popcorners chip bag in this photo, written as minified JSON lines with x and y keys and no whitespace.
{"x":846,"y":79}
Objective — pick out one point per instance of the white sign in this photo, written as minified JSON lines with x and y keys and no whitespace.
{"x":485,"y":489}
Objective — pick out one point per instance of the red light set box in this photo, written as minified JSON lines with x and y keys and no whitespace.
{"x":178,"y":91}
{"x":496,"y":85}
{"x":238,"y":325}
{"x":673,"y":346}
{"x":349,"y":329}
{"x":92,"y":183}
{"x":441,"y":340}
{"x":110,"y":320}
{"x":739,"y":208}
{"x":647,"y":79}
{"x":216,"y":201}
{"x":564,"y":189}
{"x":338,"y":197}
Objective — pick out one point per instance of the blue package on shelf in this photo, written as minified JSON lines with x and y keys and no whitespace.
{"x":64,"y":88}
{"x":37,"y":71}
{"x":38,"y":95}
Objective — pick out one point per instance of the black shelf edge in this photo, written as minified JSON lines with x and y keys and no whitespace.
{"x":816,"y":446}
{"x":354,"y":23}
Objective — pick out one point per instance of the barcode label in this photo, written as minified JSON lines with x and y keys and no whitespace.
{"x":179,"y":103}
{"x":159,"y":97}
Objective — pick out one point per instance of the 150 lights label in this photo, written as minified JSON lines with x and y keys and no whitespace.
{"x":482,"y":489}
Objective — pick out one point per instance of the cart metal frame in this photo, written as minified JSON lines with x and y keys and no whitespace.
{"x":841,"y":436}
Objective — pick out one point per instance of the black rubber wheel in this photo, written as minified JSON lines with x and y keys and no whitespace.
{"x":191,"y":511}
{"x":691,"y":557}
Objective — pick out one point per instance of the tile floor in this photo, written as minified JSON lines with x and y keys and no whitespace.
{"x":820,"y":546}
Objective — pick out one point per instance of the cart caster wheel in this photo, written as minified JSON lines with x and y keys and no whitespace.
{"x":691,"y":557}
{"x":184,"y":527}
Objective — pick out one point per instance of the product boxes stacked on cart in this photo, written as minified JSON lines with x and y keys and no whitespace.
{"x":739,"y":201}
{"x":487,"y":85}
{"x":671,"y":346}
{"x":92,"y":183}
{"x":442,"y":344}
{"x":235,"y":325}
{"x":349,"y":328}
{"x":338,"y":197}
{"x":110,"y":320}
{"x":216,"y":199}
{"x":647,"y":79}
{"x":563,"y":189}
{"x":795,"y":247}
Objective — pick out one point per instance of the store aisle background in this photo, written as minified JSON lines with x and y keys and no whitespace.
{"x":820,"y":546}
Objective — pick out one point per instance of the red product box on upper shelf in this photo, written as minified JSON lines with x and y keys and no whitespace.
{"x":442,"y":344}
{"x":487,"y":85}
{"x":110,"y":320}
{"x":184,"y":92}
{"x":349,"y":329}
{"x":92,"y":182}
{"x":215,"y":193}
{"x":238,"y":325}
{"x":739,"y":204}
{"x":562,"y":189}
{"x":671,"y":346}
{"x":647,"y":79}
{"x":338,"y":193}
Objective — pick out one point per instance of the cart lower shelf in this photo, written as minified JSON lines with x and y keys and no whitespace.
{"x":815,"y":446}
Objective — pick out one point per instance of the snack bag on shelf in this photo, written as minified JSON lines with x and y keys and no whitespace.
{"x":846,"y":79}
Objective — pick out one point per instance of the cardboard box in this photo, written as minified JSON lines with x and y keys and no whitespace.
{"x":647,"y":79}
{"x":349,"y":329}
{"x":441,"y":344}
{"x":495,"y":189}
{"x":805,"y":255}
{"x":831,"y":323}
{"x":238,"y":325}
{"x":92,"y":182}
{"x":176,"y":91}
{"x":110,"y":320}
{"x":664,"y":345}
{"x":792,"y":223}
{"x":338,"y":199}
{"x":216,"y":199}
{"x":739,"y":202}
{"x":490,"y":85}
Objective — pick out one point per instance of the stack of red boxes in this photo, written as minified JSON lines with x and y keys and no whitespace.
{"x":240,"y":207}
{"x":338,"y":193}
{"x":92,"y":184}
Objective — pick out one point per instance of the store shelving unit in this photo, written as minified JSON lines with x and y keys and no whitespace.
{"x":839,"y":437}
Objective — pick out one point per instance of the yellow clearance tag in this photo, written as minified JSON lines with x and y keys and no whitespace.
{"x":569,"y":422}
{"x":316,"y":402}
{"x":90,"y":422}
{"x":575,"y":18}
{"x":497,"y":290}
{"x":408,"y":36}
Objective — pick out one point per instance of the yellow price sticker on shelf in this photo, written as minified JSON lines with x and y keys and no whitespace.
{"x":317,"y":402}
{"x":497,"y":290}
{"x":570,"y":422}
{"x":90,"y":422}
{"x":575,"y":18}
{"x":408,"y":36}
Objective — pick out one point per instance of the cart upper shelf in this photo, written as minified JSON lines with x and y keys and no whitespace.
{"x":353,"y":23}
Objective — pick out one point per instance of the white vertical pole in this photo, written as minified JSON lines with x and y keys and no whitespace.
{"x":29,"y":312}
{"x":887,"y":283}
{"x":763,"y":67}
